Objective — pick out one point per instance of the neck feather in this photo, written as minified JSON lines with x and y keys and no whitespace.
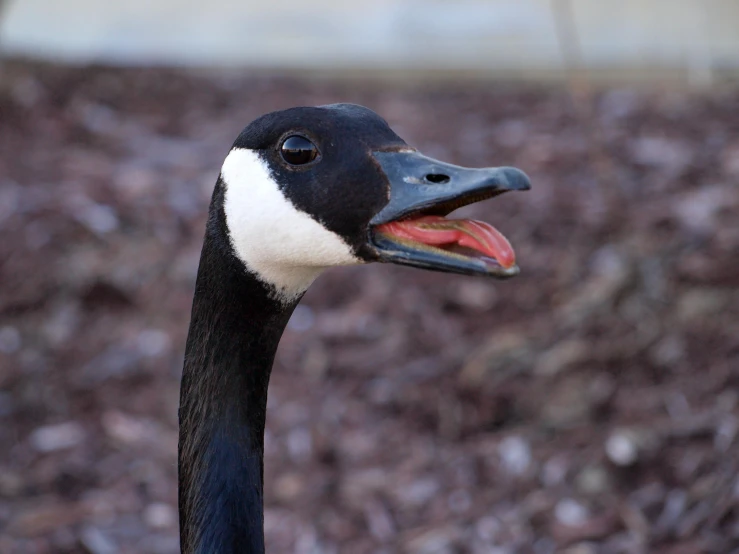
{"x":234,"y":332}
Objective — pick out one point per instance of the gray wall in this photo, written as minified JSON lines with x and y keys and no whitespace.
{"x":698,"y":36}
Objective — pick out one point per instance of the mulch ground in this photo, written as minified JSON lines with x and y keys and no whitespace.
{"x":590,"y":405}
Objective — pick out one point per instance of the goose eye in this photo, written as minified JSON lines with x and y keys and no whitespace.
{"x":297,"y":150}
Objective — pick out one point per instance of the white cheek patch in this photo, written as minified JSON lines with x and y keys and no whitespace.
{"x":284,"y":247}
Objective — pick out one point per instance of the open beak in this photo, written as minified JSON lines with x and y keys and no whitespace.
{"x":412,"y":228}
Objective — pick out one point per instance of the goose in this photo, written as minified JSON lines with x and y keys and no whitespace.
{"x":301,"y":190}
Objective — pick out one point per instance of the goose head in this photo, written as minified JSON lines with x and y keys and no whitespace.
{"x":309,"y":188}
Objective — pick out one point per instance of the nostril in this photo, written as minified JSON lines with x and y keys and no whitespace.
{"x":437,"y":178}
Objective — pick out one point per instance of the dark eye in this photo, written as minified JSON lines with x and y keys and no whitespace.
{"x":297,"y":150}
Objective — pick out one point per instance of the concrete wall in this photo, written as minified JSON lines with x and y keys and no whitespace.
{"x":477,"y":35}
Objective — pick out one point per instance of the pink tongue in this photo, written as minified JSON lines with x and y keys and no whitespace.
{"x":436,"y":230}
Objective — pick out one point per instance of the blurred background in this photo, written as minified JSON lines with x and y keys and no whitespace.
{"x":588,"y":406}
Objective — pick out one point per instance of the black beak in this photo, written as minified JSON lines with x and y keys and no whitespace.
{"x":419,"y":186}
